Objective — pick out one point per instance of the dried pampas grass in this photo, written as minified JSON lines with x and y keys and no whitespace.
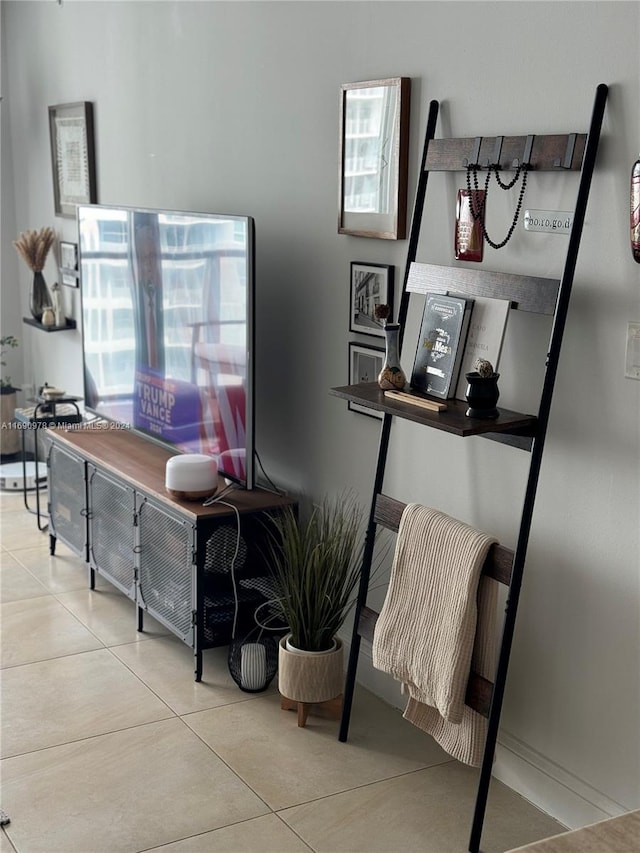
{"x":34,"y":246}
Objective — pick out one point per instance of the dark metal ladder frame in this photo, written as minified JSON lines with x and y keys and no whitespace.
{"x":554,"y":153}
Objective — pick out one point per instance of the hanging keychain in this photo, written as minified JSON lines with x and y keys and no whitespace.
{"x":635,"y":211}
{"x":469,"y":231}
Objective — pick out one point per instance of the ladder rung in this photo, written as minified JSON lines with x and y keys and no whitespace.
{"x":479,"y":689}
{"x":499,"y":560}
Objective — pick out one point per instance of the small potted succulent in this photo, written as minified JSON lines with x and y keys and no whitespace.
{"x":482,"y":390}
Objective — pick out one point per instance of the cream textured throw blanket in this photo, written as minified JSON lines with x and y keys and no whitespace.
{"x":426,"y":630}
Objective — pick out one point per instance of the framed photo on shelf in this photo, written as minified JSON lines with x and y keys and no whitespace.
{"x":72,"y":156}
{"x":69,"y":274}
{"x":371,"y":285}
{"x":365,"y":363}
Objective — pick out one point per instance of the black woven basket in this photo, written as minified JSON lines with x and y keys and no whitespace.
{"x":253,"y":661}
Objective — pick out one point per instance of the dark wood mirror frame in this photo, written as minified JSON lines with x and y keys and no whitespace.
{"x":392,"y":151}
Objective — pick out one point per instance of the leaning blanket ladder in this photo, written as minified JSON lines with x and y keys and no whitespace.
{"x":557,"y":153}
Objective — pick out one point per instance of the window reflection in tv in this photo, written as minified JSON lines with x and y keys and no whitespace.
{"x":167,"y":314}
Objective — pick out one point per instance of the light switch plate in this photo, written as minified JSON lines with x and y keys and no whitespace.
{"x":632,"y":364}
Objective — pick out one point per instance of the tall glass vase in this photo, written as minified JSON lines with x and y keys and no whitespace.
{"x":39,"y":298}
{"x":392,"y":377}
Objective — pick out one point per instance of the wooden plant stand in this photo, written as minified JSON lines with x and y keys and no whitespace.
{"x":330,"y":710}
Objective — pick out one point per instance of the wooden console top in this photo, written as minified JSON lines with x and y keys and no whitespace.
{"x":142,"y":463}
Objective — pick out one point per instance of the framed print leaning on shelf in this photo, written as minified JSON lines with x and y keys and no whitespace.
{"x":371,"y":285}
{"x":72,"y":156}
{"x":365,"y":363}
{"x":69,"y":264}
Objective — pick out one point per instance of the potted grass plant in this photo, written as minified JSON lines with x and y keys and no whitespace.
{"x":316,"y":565}
{"x":33,"y":247}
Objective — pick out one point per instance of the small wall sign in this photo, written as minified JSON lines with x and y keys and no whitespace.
{"x":548,"y":221}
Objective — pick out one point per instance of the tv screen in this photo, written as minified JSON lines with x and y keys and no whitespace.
{"x":167,"y":318}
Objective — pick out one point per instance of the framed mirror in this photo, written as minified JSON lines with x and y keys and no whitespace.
{"x":374,"y":156}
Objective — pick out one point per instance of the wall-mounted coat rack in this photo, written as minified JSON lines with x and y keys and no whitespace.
{"x":569,"y":151}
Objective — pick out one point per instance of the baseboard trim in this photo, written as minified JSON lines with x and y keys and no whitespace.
{"x":551,"y":788}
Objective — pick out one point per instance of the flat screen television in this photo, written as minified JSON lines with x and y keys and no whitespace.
{"x":168,"y":328}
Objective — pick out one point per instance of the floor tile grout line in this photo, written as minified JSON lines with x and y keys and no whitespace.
{"x":152,"y":690}
{"x":226,"y":764}
{"x":226,"y":826}
{"x":364,"y":785}
{"x":53,"y":657}
{"x":315,"y":799}
{"x":88,"y":738}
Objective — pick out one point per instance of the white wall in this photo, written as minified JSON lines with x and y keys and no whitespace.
{"x":233,"y":107}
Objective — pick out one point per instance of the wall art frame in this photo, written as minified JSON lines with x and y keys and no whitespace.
{"x":374,"y":158}
{"x":371,"y":285}
{"x":69,"y":273}
{"x":72,"y":156}
{"x":365,"y":363}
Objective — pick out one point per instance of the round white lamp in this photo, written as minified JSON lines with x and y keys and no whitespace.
{"x":191,"y":476}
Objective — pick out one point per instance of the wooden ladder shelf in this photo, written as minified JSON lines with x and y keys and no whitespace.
{"x":558,"y":153}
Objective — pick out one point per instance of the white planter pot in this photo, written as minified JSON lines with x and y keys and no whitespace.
{"x":310,"y":676}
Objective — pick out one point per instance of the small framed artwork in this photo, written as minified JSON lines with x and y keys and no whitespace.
{"x":69,"y":256}
{"x":69,"y":264}
{"x":374,"y":158}
{"x":70,"y":279}
{"x":371,"y":285}
{"x":72,"y":156}
{"x":365,"y":363}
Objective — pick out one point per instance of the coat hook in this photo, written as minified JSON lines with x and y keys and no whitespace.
{"x":475,"y":157}
{"x":526,"y":156}
{"x":527,"y":150}
{"x":568,"y":154}
{"x":497,"y":150}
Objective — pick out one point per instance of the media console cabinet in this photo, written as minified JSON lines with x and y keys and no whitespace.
{"x":107,"y":502}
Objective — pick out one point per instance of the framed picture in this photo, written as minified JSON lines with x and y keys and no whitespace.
{"x":69,"y":274}
{"x":365,"y":363}
{"x":68,"y":256}
{"x":374,"y":158}
{"x":371,"y":285}
{"x":72,"y":156}
{"x":70,"y":279}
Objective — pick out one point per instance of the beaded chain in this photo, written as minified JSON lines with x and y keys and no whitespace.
{"x":477,"y":213}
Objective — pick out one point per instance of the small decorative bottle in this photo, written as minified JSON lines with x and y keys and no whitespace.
{"x":48,"y":317}
{"x":56,"y":297}
{"x":392,"y":377}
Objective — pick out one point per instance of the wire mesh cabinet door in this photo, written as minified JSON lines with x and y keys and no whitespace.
{"x":111,"y":530}
{"x":166,"y":567}
{"x":67,"y":499}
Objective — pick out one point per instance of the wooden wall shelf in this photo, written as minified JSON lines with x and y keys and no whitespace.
{"x":453,"y":420}
{"x":70,"y":324}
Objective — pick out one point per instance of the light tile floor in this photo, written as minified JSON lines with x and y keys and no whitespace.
{"x":109,"y":745}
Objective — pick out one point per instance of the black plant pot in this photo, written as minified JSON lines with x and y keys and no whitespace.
{"x":482,"y":395}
